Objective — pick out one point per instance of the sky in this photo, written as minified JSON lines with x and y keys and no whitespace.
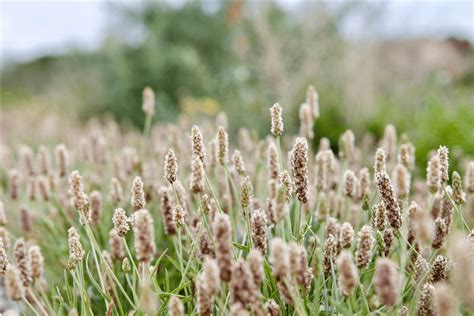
{"x":30,"y":29}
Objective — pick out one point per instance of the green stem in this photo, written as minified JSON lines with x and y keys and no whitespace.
{"x":146,"y":132}
{"x":130,"y":256}
{"x":106,"y":265}
{"x":31,"y":306}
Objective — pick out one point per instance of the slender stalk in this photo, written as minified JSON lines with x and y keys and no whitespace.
{"x":130,"y":257}
{"x":146,"y":132}
{"x":31,"y":306}
{"x":106,"y":265}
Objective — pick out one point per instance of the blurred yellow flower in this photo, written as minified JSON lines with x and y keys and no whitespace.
{"x":204,"y":105}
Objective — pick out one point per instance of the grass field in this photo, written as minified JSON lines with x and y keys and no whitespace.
{"x":191,"y":219}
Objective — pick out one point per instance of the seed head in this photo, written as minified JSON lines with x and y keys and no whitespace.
{"x":259,"y":230}
{"x":299,"y":264}
{"x":62,"y":159}
{"x":281,"y":205}
{"x":23,"y":261}
{"x":204,"y":299}
{"x":126,"y":265}
{"x":387,"y":283}
{"x":346,"y":145}
{"x":31,"y":188}
{"x":213,"y":153}
{"x":37,"y":262}
{"x":238,"y":163}
{"x":246,"y":193}
{"x":222,"y":233}
{"x":277,"y":120}
{"x":116,"y":191}
{"x":272,"y":308}
{"x":346,"y":235}
{"x":390,"y":141}
{"x":281,"y":267}
{"x":388,"y":196}
{"x":312,"y":99}
{"x":120,"y":221}
{"x":4,"y":237}
{"x":444,"y":299}
{"x":440,"y":233}
{"x":13,"y":183}
{"x":14,"y":284}
{"x":223,"y":146}
{"x":350,"y":184}
{"x":458,"y":194}
{"x":402,"y":181}
{"x":306,"y":121}
{"x":207,"y":286}
{"x":175,"y":307}
{"x":426,"y":301}
{"x":299,"y":164}
{"x":205,"y":246}
{"x":447,"y":208}
{"x":144,"y":236}
{"x":462,"y":275}
{"x":329,"y":253}
{"x":197,"y":143}
{"x":181,"y":197}
{"x":44,"y":189}
{"x":76,"y":252}
{"x":285,"y":180}
{"x":403,"y":311}
{"x":322,"y":207}
{"x":138,"y":195}
{"x":421,"y":268}
{"x":322,"y":169}
{"x":116,"y":247}
{"x":3,"y":258}
{"x":28,"y":160}
{"x":211,"y":275}
{"x":433,"y":174}
{"x":272,"y":161}
{"x":388,"y":239}
{"x":147,"y":298}
{"x":364,"y":247}
{"x":25,"y":220}
{"x":79,"y":197}
{"x":348,"y":276}
{"x":255,"y":261}
{"x":44,"y":159}
{"x":178,"y":216}
{"x":443,"y":164}
{"x":379,"y":216}
{"x":148,"y":101}
{"x":167,"y":210}
{"x":96,"y":207}
{"x":364,"y":182}
{"x":405,"y":155}
{"x":279,"y":258}
{"x":440,"y":269}
{"x":242,"y":286}
{"x":171,"y":166}
{"x":379,"y":164}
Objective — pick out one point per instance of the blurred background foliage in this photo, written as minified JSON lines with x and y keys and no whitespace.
{"x":241,"y":57}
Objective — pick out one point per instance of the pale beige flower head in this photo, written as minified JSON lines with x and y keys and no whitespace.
{"x":148,"y":101}
{"x":277,"y":120}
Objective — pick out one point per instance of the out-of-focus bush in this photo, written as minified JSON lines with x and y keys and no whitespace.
{"x":203,"y":58}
